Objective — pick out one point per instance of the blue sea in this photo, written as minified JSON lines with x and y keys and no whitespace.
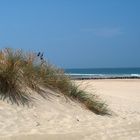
{"x":104,"y":73}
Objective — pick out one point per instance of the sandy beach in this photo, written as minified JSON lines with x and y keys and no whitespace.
{"x":60,"y":119}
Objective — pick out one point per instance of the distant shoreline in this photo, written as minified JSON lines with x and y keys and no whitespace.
{"x":104,"y":73}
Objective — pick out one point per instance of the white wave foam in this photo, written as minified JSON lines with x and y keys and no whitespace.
{"x":136,"y":75}
{"x":101,"y":75}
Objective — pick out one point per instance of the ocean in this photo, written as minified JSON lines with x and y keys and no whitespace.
{"x":101,"y":73}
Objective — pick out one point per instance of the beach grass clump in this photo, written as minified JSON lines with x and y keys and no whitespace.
{"x":11,"y":77}
{"x":21,"y":71}
{"x":90,"y":101}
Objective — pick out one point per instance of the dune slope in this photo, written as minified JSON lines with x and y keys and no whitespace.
{"x":59,"y":118}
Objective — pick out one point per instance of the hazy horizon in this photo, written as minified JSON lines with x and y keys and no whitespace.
{"x":105,"y":68}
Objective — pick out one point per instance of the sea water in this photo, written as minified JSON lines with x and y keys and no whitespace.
{"x":104,"y":73}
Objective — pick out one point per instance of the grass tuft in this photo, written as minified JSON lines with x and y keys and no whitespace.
{"x":91,"y":102}
{"x":21,"y":71}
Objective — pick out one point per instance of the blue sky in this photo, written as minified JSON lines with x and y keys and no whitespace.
{"x":74,"y":33}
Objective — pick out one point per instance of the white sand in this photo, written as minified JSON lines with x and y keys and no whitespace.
{"x":59,"y":119}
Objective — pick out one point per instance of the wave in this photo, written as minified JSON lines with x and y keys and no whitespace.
{"x":88,"y":76}
{"x":137,"y":75}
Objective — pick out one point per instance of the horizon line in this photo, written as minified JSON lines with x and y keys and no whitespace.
{"x":103,"y":68}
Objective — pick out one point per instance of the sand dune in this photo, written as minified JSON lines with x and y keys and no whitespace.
{"x":61,"y":119}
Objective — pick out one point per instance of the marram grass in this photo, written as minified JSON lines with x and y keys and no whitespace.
{"x":21,"y":71}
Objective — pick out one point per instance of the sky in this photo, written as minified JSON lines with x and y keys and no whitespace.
{"x":74,"y":33}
